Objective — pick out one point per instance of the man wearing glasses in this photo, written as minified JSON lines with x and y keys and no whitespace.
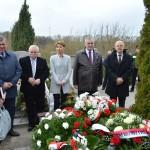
{"x":87,"y":71}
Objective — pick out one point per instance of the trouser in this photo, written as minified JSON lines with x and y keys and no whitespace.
{"x":59,"y":99}
{"x":90,"y":92}
{"x":10,"y":106}
{"x":133,"y":77}
{"x":121,"y":100}
{"x":34,"y":105}
{"x":105,"y":80}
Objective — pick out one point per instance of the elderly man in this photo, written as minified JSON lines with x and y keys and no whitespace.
{"x":10,"y":72}
{"x":87,"y":73}
{"x":119,"y":66}
{"x":34,"y":73}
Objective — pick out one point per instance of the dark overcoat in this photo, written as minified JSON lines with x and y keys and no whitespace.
{"x":86,"y":75}
{"x":42,"y":72}
{"x":116,"y":69}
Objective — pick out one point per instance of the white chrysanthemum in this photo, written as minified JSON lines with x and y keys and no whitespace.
{"x":84,"y":108}
{"x":82,"y":104}
{"x":62,"y":115}
{"x":39,"y":131}
{"x":46,"y":126}
{"x":58,"y":110}
{"x":43,"y":118}
{"x":109,"y":122}
{"x":77,"y":106}
{"x":94,"y":104}
{"x":65,"y":125}
{"x":83,"y":96}
{"x":56,"y":114}
{"x":128,"y":120}
{"x":90,"y":112}
{"x":88,"y":102}
{"x":57,"y":138}
{"x":50,"y":117}
{"x":92,"y":117}
{"x":47,"y":114}
{"x":123,"y":114}
{"x":132,"y":116}
{"x":118,"y":128}
{"x":38,"y":143}
{"x":141,"y":125}
{"x":70,"y":114}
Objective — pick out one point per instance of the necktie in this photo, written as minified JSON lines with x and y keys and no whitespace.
{"x":33,"y":63}
{"x":90,"y":57}
{"x":119,"y":58}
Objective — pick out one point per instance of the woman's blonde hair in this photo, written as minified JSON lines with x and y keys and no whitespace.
{"x":61,"y":43}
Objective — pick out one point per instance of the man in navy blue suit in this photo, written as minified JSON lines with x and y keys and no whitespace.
{"x":10,"y":72}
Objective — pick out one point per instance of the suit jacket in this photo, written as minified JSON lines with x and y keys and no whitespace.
{"x":87,"y":76}
{"x":10,"y":71}
{"x":115,"y":70}
{"x":42,"y":72}
{"x":60,"y":70}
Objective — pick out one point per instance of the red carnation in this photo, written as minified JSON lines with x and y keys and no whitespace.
{"x":110,"y":103}
{"x":76,"y":125}
{"x":77,"y":113}
{"x":87,"y":121}
{"x":73,"y":144}
{"x":115,"y":140}
{"x":114,"y":100}
{"x":85,"y":125}
{"x":73,"y":131}
{"x":106,"y":111}
{"x":137,"y":140}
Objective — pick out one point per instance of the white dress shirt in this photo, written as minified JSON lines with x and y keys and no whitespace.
{"x":33,"y":65}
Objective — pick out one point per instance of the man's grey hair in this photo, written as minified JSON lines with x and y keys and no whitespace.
{"x":34,"y":46}
{"x":1,"y":38}
{"x":89,"y":38}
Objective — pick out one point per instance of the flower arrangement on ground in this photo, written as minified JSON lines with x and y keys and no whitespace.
{"x":93,"y":124}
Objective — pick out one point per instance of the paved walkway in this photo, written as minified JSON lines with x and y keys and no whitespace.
{"x":23,"y":142}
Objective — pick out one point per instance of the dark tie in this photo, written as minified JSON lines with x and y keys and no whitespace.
{"x":90,"y":57}
{"x":119,"y":58}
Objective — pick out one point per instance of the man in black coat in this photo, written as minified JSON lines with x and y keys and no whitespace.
{"x":119,"y":66}
{"x":87,"y":71}
{"x":34,"y":73}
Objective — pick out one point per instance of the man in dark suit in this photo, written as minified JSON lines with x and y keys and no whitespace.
{"x":87,"y":71}
{"x":34,"y":73}
{"x":119,"y":66}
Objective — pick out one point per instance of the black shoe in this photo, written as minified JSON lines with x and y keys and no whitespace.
{"x":30,"y":128}
{"x":13,"y":133}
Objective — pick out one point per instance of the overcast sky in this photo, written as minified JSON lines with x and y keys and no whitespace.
{"x":64,"y":17}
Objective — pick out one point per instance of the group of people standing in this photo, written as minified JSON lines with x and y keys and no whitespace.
{"x":87,"y":76}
